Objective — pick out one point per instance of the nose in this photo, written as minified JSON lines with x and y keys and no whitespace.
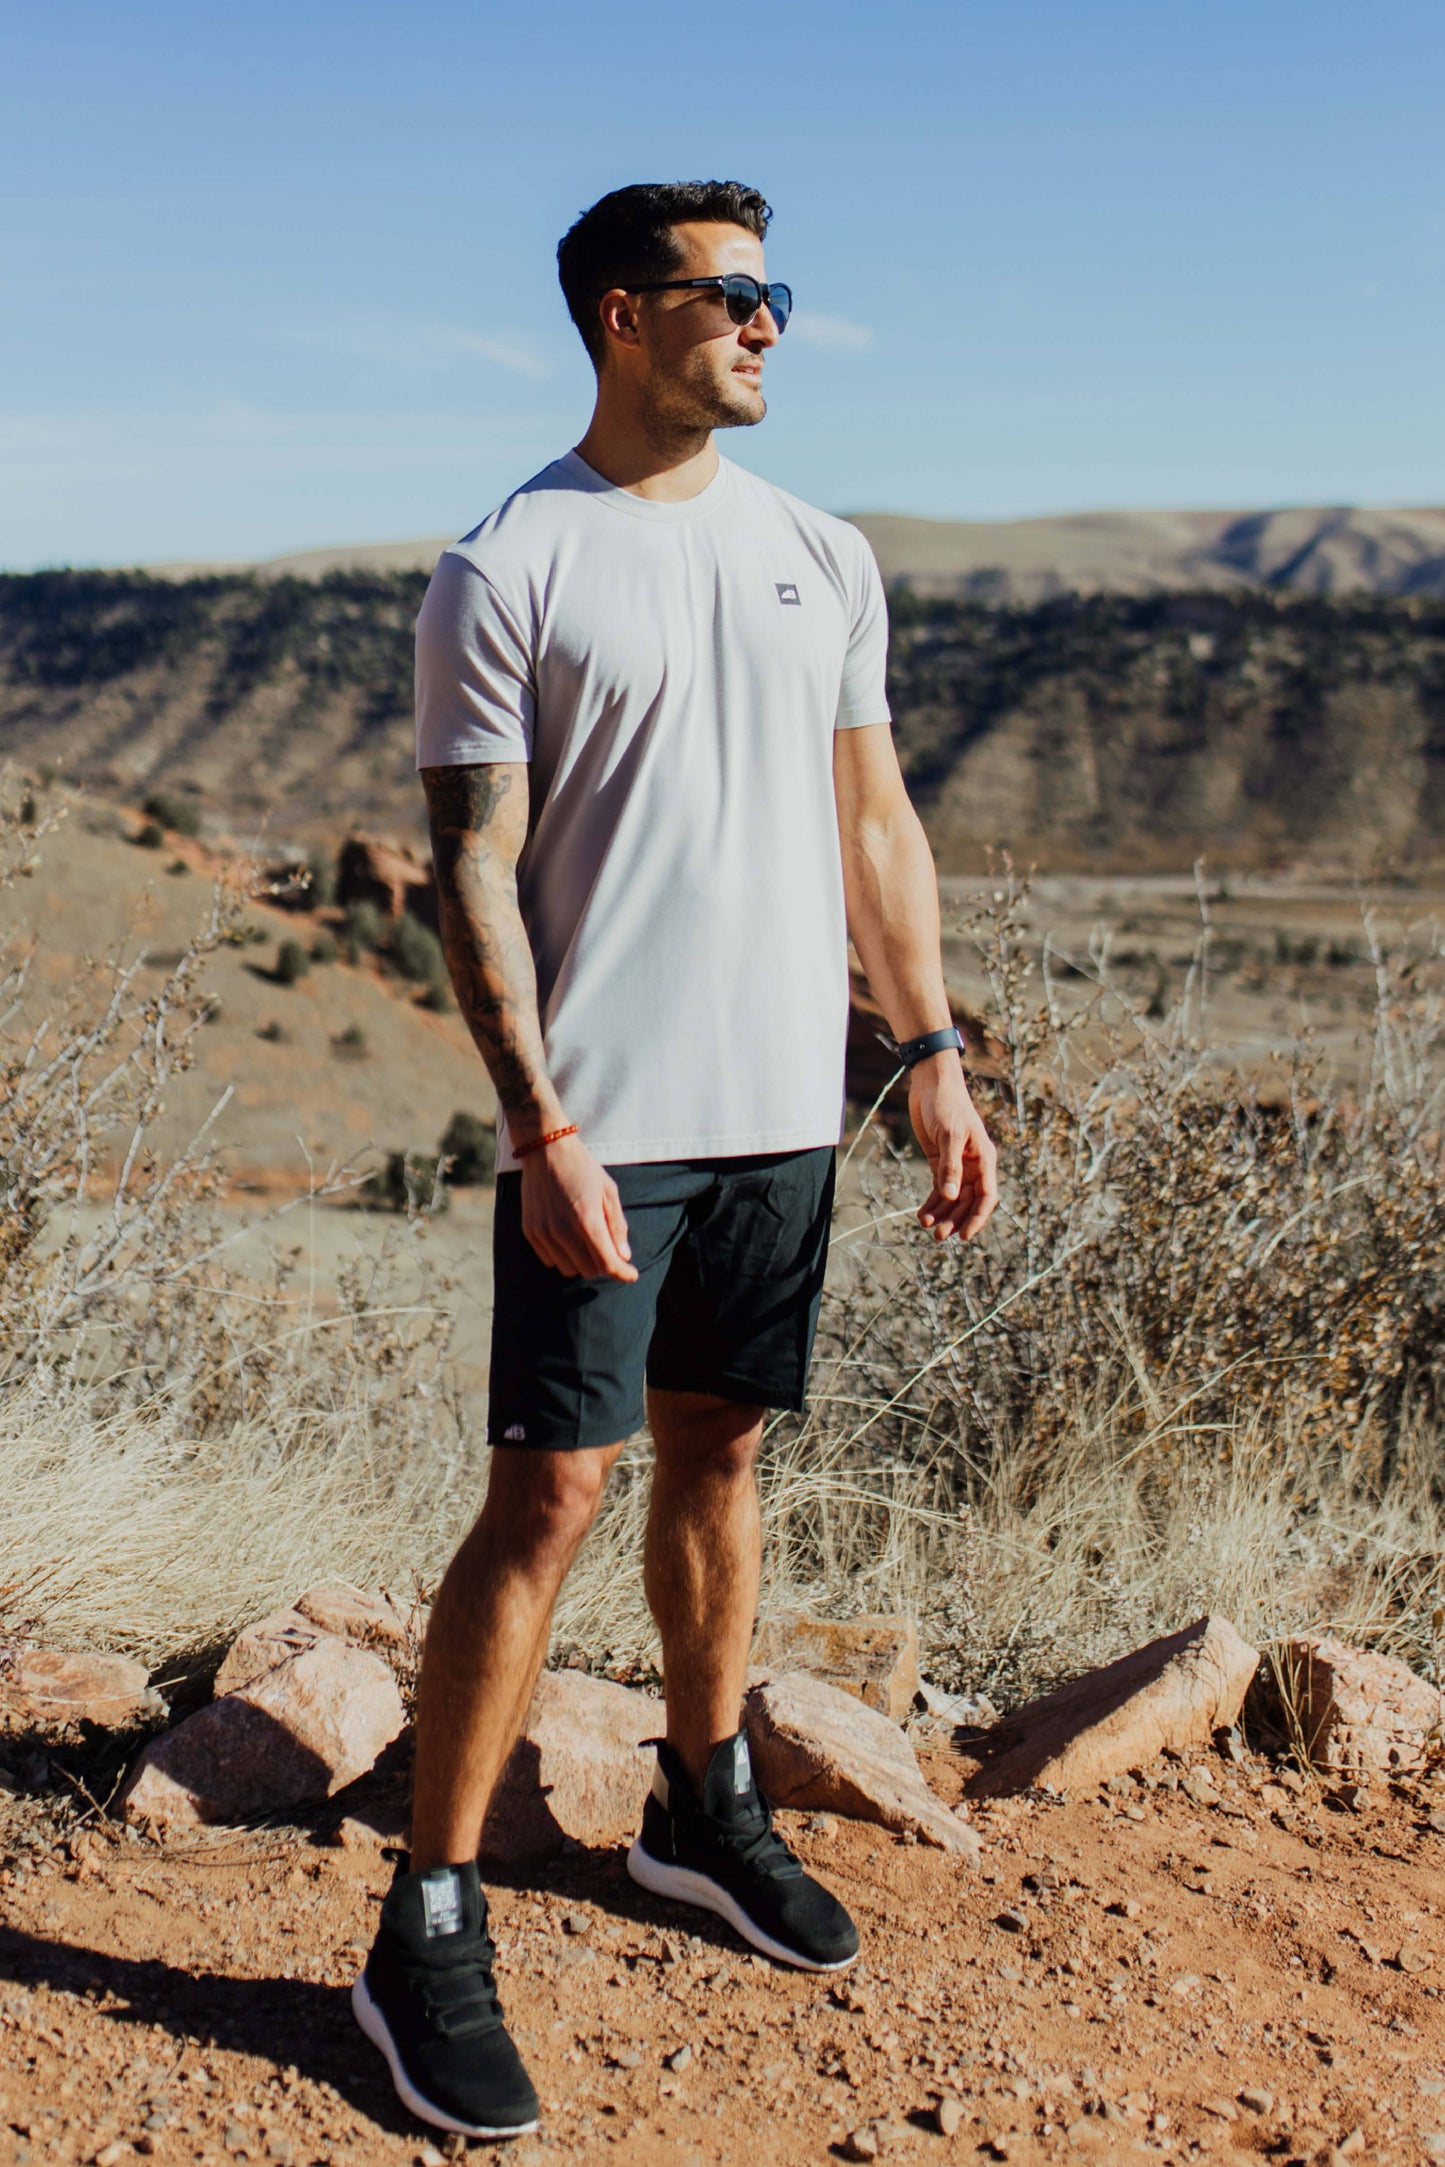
{"x":762,"y":332}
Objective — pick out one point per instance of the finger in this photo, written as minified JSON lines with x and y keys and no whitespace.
{"x":947,"y":1178}
{"x":977,"y":1219}
{"x":937,"y":1206}
{"x":616,"y":1220}
{"x":604,"y":1259}
{"x":948,"y":1173}
{"x":542,"y":1245}
{"x":952,"y":1214}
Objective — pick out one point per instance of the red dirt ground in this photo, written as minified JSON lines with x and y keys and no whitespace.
{"x":1120,"y":1971}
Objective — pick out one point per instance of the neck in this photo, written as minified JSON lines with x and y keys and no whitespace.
{"x":646,"y":452}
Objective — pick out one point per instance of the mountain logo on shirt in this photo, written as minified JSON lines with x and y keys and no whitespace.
{"x":787,"y":592}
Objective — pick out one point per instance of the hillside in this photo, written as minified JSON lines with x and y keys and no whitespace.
{"x":1100,"y":733}
{"x":1335,"y":549}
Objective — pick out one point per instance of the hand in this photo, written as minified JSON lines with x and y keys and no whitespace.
{"x":572,"y":1214}
{"x":958,"y":1147}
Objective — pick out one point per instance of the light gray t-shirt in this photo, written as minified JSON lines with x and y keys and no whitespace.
{"x":674,"y":674}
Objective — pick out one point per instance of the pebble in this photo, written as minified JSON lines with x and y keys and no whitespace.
{"x":1413,"y":1956}
{"x":111,"y":2155}
{"x":1349,"y":2147}
{"x":1256,"y":2099}
{"x":860,"y":2144}
{"x":822,"y":1824}
{"x":1012,"y":1922}
{"x":1433,"y":2143}
{"x":577,"y":1922}
{"x":428,"y":2156}
{"x":627,"y":2058}
{"x":1224,"y":2110}
{"x":679,"y":2059}
{"x":949,"y":2115}
{"x":1124,"y":1907}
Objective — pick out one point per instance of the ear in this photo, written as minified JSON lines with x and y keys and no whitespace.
{"x":618,"y":311}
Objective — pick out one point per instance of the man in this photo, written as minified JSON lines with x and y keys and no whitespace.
{"x":662,"y":790}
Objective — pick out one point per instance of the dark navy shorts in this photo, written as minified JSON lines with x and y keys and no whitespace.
{"x":730,"y":1257}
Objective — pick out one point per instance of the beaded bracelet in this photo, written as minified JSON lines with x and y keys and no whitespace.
{"x":553,"y":1136}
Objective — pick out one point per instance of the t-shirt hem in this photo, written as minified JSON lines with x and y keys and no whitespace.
{"x":631,"y":1151}
{"x":859,"y":718}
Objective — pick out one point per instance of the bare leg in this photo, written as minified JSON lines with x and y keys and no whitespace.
{"x":488,"y":1636}
{"x":702,"y":1561}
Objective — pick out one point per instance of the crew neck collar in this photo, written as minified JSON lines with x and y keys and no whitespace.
{"x":624,"y":500}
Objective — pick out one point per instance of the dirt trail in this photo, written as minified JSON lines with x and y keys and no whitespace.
{"x":1122,"y":1969}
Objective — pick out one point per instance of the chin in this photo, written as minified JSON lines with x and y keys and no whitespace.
{"x":740,"y":410}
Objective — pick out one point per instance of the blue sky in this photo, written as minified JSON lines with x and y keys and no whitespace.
{"x":276,"y":276}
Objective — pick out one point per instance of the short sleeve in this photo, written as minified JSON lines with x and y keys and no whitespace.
{"x":475,"y":690}
{"x":862,"y":695}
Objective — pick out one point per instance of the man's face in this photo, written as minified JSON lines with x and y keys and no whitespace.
{"x":695,"y":367}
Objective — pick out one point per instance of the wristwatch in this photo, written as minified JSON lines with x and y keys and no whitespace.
{"x":914,"y":1050}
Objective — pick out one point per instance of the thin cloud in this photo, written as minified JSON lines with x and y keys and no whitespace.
{"x":835,"y":333}
{"x":392,"y":339}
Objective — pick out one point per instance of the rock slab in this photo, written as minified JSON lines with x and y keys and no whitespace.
{"x":296,"y":1734}
{"x":579,"y":1770}
{"x":1355,"y":1709}
{"x":1174,"y":1693}
{"x":335,"y":1607}
{"x":875,"y":1659}
{"x":48,"y":1686}
{"x":813,"y":1746}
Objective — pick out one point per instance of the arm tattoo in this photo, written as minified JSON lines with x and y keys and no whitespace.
{"x":478,"y":825}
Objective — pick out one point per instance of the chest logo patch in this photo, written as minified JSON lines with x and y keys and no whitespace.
{"x":787,"y":592}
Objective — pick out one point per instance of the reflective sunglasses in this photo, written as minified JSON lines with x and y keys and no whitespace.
{"x":743,"y":295}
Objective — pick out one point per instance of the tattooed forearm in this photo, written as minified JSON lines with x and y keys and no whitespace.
{"x":478,"y":819}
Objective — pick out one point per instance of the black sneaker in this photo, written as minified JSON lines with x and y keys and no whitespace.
{"x":428,"y":2000}
{"x":720,"y":1852}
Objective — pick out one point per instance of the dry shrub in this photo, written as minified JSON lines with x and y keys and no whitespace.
{"x":184,"y":1446}
{"x":1195,"y":1364}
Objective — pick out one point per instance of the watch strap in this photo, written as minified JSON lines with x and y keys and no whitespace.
{"x":913,"y":1050}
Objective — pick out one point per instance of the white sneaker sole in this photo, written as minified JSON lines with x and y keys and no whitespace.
{"x":687,"y":1887}
{"x":375,"y":2026}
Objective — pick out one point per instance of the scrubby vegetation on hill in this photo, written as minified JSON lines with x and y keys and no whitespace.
{"x":1107,"y":730}
{"x":1197,"y":1361}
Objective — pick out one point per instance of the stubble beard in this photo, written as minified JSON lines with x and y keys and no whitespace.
{"x":689,"y":406}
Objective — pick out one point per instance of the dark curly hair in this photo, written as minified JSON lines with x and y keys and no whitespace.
{"x":626,"y":239}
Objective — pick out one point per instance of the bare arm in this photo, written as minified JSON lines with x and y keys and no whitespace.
{"x":571,"y":1212}
{"x":478,"y":821}
{"x":891,"y":892}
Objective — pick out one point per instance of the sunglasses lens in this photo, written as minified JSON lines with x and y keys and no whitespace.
{"x":743,"y":297}
{"x":780,"y":301}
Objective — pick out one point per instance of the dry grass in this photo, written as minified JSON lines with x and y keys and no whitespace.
{"x":1196,"y":1365}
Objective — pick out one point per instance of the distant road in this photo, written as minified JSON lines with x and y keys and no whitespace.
{"x":1329,"y":550}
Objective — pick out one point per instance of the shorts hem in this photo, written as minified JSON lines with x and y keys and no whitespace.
{"x":543,"y":1437}
{"x":751,"y":1389}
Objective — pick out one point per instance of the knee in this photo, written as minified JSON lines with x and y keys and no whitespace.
{"x":548,"y":1503}
{"x":718,"y":1445}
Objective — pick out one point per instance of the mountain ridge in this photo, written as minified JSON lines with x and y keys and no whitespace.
{"x":1322,"y":550}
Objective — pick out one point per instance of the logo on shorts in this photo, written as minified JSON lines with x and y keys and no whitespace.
{"x":788,"y":592}
{"x":515,"y":1434}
